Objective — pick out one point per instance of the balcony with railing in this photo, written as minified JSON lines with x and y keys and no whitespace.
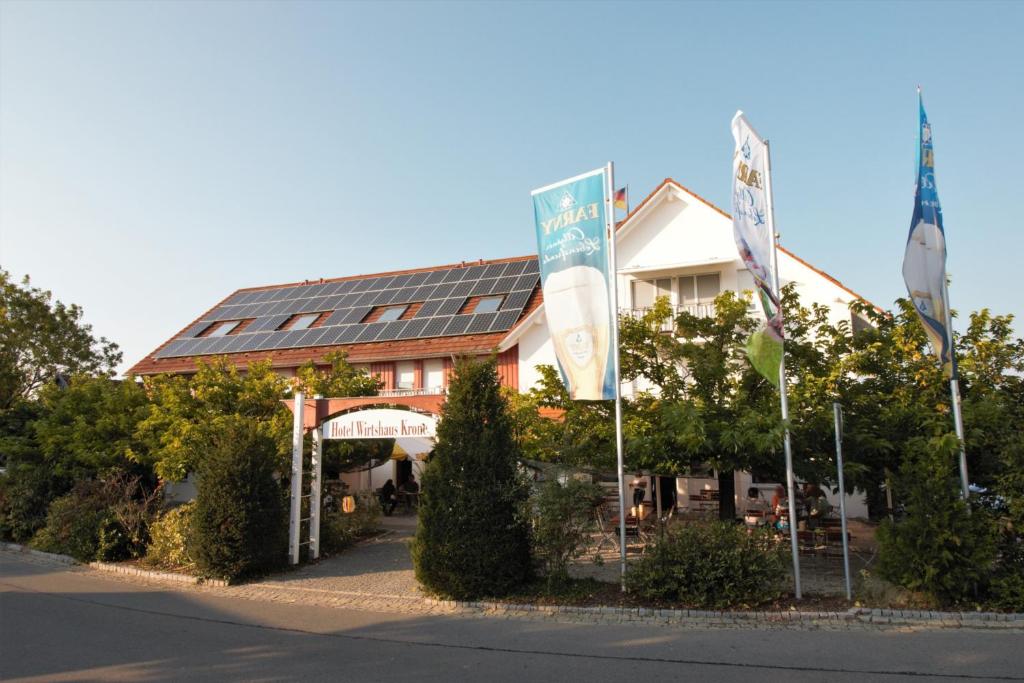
{"x":700,"y":310}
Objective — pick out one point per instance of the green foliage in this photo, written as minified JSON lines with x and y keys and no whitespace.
{"x":338,"y":378}
{"x":41,"y":339}
{"x":25,"y":494}
{"x":339,"y":530}
{"x":473,"y":537}
{"x":937,"y":546}
{"x":101,"y":519}
{"x":563,"y":516}
{"x":712,"y":565}
{"x":240,"y":525}
{"x":89,"y":425}
{"x":169,"y":535}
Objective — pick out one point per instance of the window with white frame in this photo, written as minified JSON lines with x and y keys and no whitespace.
{"x":223,"y":329}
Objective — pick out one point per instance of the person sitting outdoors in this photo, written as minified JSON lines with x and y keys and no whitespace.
{"x":410,"y":489}
{"x":388,"y":500}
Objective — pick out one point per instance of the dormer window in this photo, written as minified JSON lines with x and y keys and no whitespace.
{"x":488,"y":304}
{"x":223,"y":329}
{"x":302,"y":322}
{"x":391,"y":313}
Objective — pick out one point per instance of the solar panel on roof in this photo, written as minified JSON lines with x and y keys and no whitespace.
{"x":435,"y":326}
{"x":462,"y":288}
{"x":366,"y":299}
{"x":384,"y":297}
{"x":370,"y":332}
{"x":451,"y":306}
{"x":516,"y":301}
{"x":454,"y":275}
{"x":458,"y":325}
{"x":392,"y":330}
{"x":348,"y":334}
{"x":345,"y":286}
{"x":515,"y":268}
{"x":443,"y":291}
{"x":251,"y":341}
{"x":475,"y":272}
{"x":532,"y":266}
{"x":482,"y":287}
{"x":481,"y":322}
{"x":504,"y":285}
{"x":236,"y":342}
{"x":169,"y":349}
{"x":429,"y":308}
{"x":188,"y":346}
{"x":494,"y":270}
{"x":422,"y":293}
{"x":194,"y":330}
{"x":528,"y":281}
{"x":286,"y":340}
{"x":435,"y":277}
{"x":405,"y":295}
{"x":414,"y":328}
{"x":416,"y":279}
{"x":505,"y":320}
{"x":399,"y":281}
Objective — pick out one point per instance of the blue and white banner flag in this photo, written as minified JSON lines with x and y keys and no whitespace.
{"x":754,"y":242}
{"x":572,"y":241}
{"x":924,"y":262}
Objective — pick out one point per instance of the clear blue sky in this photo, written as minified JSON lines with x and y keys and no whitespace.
{"x":155,"y":157}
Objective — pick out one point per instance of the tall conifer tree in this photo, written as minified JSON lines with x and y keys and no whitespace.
{"x":473,"y":537}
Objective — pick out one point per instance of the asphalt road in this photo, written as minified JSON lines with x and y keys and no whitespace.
{"x":58,"y":624}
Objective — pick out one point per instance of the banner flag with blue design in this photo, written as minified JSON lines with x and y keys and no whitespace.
{"x":924,"y":262}
{"x":754,"y":243}
{"x":572,"y":240}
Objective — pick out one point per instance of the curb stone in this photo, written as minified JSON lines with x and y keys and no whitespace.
{"x":855,"y":616}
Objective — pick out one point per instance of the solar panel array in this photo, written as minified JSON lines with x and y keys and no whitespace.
{"x":442,"y":293}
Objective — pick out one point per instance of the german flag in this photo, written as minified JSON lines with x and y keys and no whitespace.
{"x":621,"y":201}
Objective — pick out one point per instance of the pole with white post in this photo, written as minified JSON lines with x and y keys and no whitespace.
{"x":294,"y":516}
{"x":613,"y":277}
{"x":315,"y":492}
{"x":958,"y":418}
{"x":790,"y":480}
{"x":837,"y":414}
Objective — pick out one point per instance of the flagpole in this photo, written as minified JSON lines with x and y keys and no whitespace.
{"x":613,"y":273}
{"x":954,"y":391}
{"x":790,"y":479}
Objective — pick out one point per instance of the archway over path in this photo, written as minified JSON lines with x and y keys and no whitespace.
{"x":407,"y":417}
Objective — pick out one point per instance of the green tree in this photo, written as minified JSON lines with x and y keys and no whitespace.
{"x":188,"y":413}
{"x":41,"y":340}
{"x":473,"y":536}
{"x":240,"y":521}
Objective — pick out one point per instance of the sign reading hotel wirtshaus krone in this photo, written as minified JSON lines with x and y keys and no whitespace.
{"x":754,"y":242}
{"x":573,"y":250}
{"x":380,"y":423}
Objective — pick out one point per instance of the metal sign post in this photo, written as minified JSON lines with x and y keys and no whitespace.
{"x":837,"y":412}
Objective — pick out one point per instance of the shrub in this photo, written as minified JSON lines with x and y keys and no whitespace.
{"x":937,"y":545}
{"x":169,"y":537}
{"x":338,"y":530}
{"x":713,"y":565}
{"x":240,"y":525}
{"x":26,"y":491}
{"x":473,"y":537}
{"x":105,"y":519}
{"x":563,"y":516}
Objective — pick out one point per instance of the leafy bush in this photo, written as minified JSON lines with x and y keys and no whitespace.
{"x":100,"y":519}
{"x":338,"y":530}
{"x":26,"y":491}
{"x":937,"y":545}
{"x":563,"y":516}
{"x":711,"y":565}
{"x":169,"y":537}
{"x":240,"y":525}
{"x":473,"y":536}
